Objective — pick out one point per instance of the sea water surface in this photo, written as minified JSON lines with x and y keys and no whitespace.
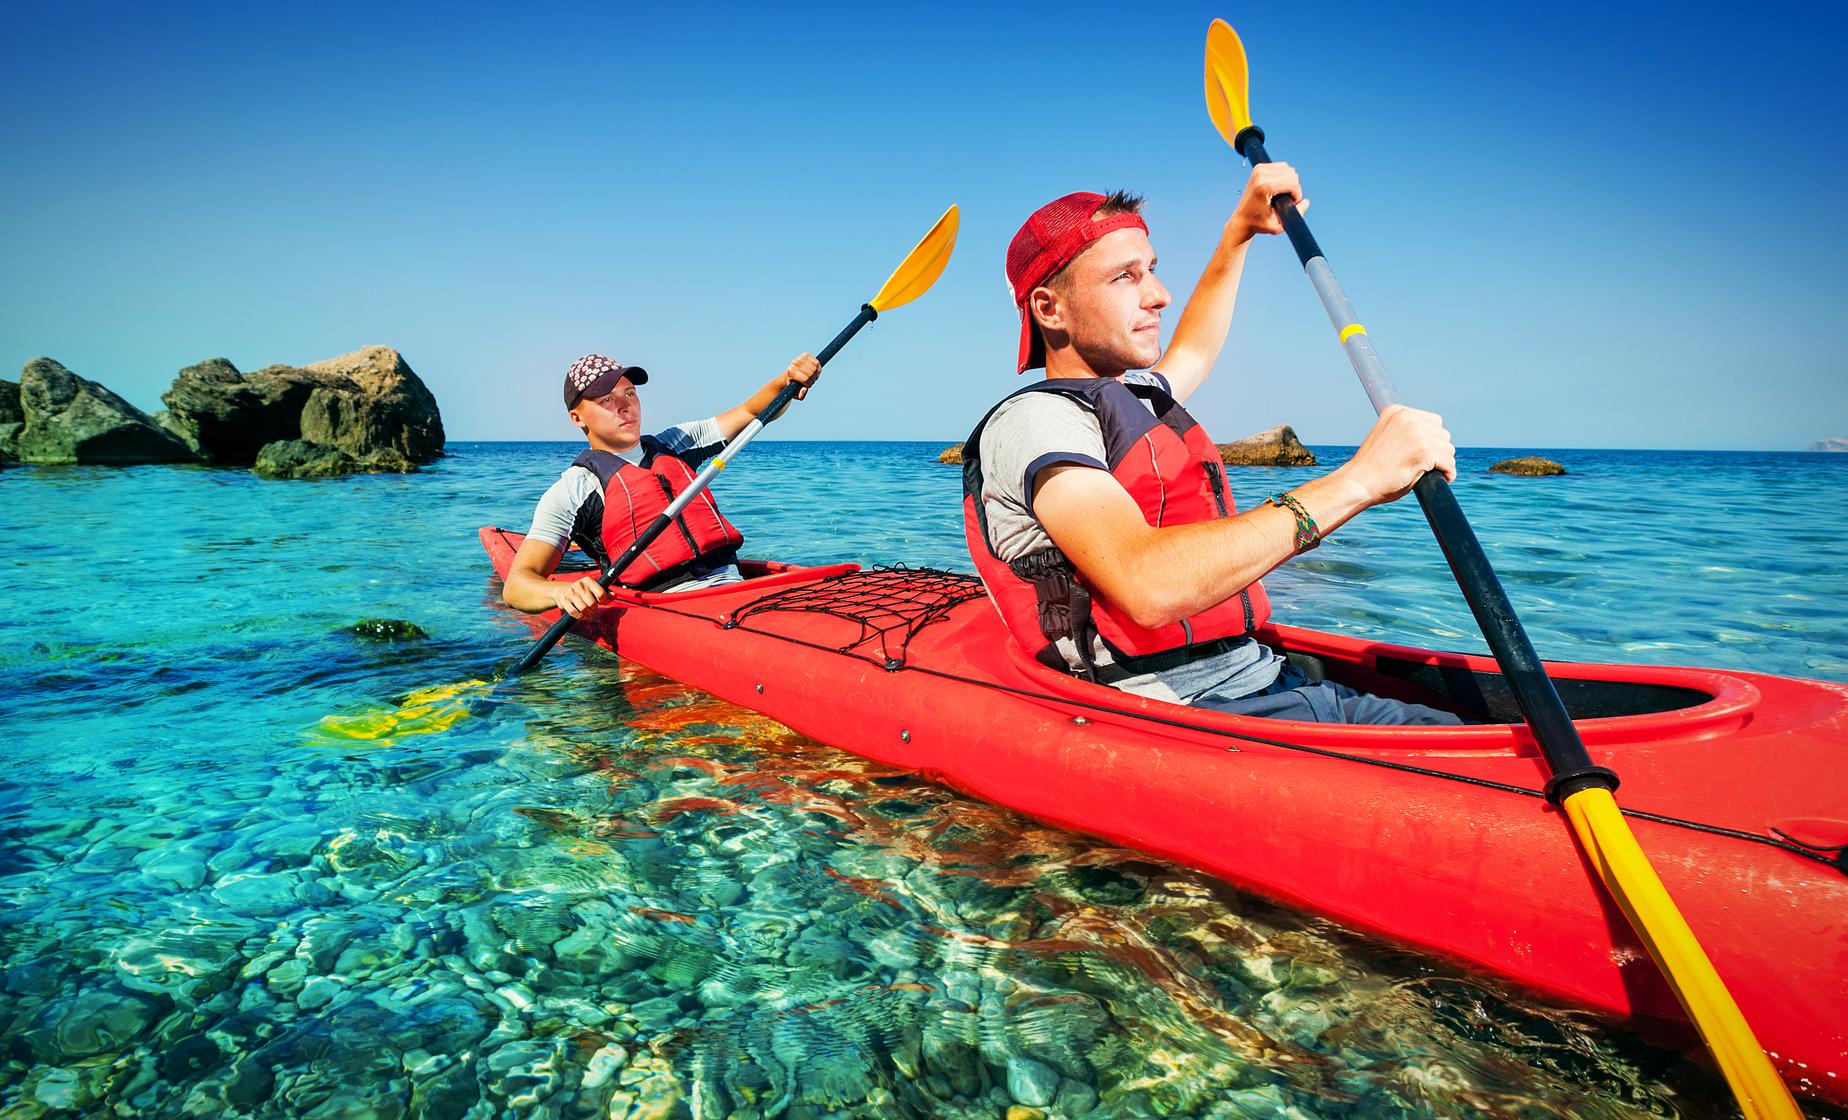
{"x":606,"y":894}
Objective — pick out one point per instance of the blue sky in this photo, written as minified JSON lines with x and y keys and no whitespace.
{"x":1599,"y":227}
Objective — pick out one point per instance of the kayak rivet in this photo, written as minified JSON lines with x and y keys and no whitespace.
{"x":904,"y":736}
{"x":760,"y":686}
{"x":1081,"y":720}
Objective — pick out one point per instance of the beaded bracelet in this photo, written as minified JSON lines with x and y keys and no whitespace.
{"x":1308,"y":533}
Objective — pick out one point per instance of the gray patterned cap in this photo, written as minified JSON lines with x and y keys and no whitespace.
{"x":593,"y":375}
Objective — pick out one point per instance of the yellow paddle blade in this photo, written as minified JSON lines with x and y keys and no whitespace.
{"x":424,"y":712}
{"x":1626,"y":872}
{"x":1227,"y":85}
{"x":921,"y":269}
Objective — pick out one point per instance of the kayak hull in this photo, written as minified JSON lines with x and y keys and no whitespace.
{"x":1431,"y":837}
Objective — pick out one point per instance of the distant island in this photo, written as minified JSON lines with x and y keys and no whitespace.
{"x":1832,"y":443}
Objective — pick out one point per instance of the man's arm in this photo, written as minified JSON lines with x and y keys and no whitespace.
{"x":1160,"y":575}
{"x":528,"y":588}
{"x":1201,"y":332}
{"x":804,"y":370}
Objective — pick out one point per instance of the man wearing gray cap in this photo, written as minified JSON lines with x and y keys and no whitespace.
{"x":622,"y":482}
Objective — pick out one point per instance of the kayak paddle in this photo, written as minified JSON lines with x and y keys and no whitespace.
{"x":911,"y":279}
{"x":1578,"y":786}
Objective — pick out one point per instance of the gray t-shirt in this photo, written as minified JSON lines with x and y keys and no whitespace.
{"x":1035,"y":431}
{"x":559,"y":508}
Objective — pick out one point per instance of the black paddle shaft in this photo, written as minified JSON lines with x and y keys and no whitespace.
{"x":1533,"y":690}
{"x":656,"y":527}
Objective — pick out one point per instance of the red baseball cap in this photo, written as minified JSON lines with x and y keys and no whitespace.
{"x":593,"y":375}
{"x":1051,"y":238}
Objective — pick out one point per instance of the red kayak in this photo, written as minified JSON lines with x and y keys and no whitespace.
{"x":1435,"y":837}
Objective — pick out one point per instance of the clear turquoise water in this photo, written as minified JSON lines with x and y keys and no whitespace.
{"x":612,"y":895}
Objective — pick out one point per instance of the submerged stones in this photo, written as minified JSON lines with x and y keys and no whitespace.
{"x":300,"y":458}
{"x":387,"y":630}
{"x":1273,"y":447}
{"x":1529,"y":465}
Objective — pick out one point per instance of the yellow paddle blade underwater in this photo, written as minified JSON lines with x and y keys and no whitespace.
{"x":920,"y":270}
{"x":1228,"y":99}
{"x":1627,"y":874}
{"x":424,"y":712}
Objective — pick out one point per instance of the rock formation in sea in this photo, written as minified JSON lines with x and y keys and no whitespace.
{"x":1832,"y":443}
{"x":12,"y":418}
{"x":1275,"y":447}
{"x":1527,"y":465}
{"x":951,"y":454}
{"x":363,"y":404}
{"x":366,"y":411}
{"x":55,"y":416}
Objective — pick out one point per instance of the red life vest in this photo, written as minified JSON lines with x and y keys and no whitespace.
{"x":1168,"y":464}
{"x":633,"y":496}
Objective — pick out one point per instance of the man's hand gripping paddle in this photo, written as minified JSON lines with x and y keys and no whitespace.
{"x":1580,"y":788}
{"x":912,"y":279}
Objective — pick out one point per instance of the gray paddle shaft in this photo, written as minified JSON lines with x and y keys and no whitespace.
{"x":1359,"y":348}
{"x":1554,"y":732}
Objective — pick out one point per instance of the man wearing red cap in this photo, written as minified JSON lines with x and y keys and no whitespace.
{"x":623,"y":482}
{"x":1097,"y":509}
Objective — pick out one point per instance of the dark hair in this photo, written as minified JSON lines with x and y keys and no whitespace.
{"x":1118,"y":202}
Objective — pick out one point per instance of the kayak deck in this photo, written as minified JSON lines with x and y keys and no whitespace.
{"x":1433,"y":836}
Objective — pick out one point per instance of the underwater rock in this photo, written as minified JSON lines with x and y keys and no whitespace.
{"x":182,"y":863}
{"x":604,"y":1065}
{"x":1274,"y":447}
{"x":1075,"y":1098}
{"x":1531,"y":465}
{"x":300,"y":458}
{"x":951,"y":454}
{"x":101,"y":1019}
{"x":69,"y":419}
{"x":1031,"y":1083}
{"x":387,"y":630}
{"x":257,"y":894}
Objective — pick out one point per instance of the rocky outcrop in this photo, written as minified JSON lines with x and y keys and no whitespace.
{"x":375,"y":403}
{"x":1527,"y":465}
{"x":951,"y":454}
{"x":1277,"y":447}
{"x":65,"y":418}
{"x":362,"y":403}
{"x":12,"y":419}
{"x":228,"y":416}
{"x":1833,"y":443}
{"x":300,"y":458}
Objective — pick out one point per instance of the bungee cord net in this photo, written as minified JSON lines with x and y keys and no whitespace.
{"x":889,"y":604}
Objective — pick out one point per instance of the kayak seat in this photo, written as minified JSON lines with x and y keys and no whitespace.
{"x":1487,"y":697}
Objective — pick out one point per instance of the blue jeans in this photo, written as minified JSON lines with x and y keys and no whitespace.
{"x":1294,"y":696}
